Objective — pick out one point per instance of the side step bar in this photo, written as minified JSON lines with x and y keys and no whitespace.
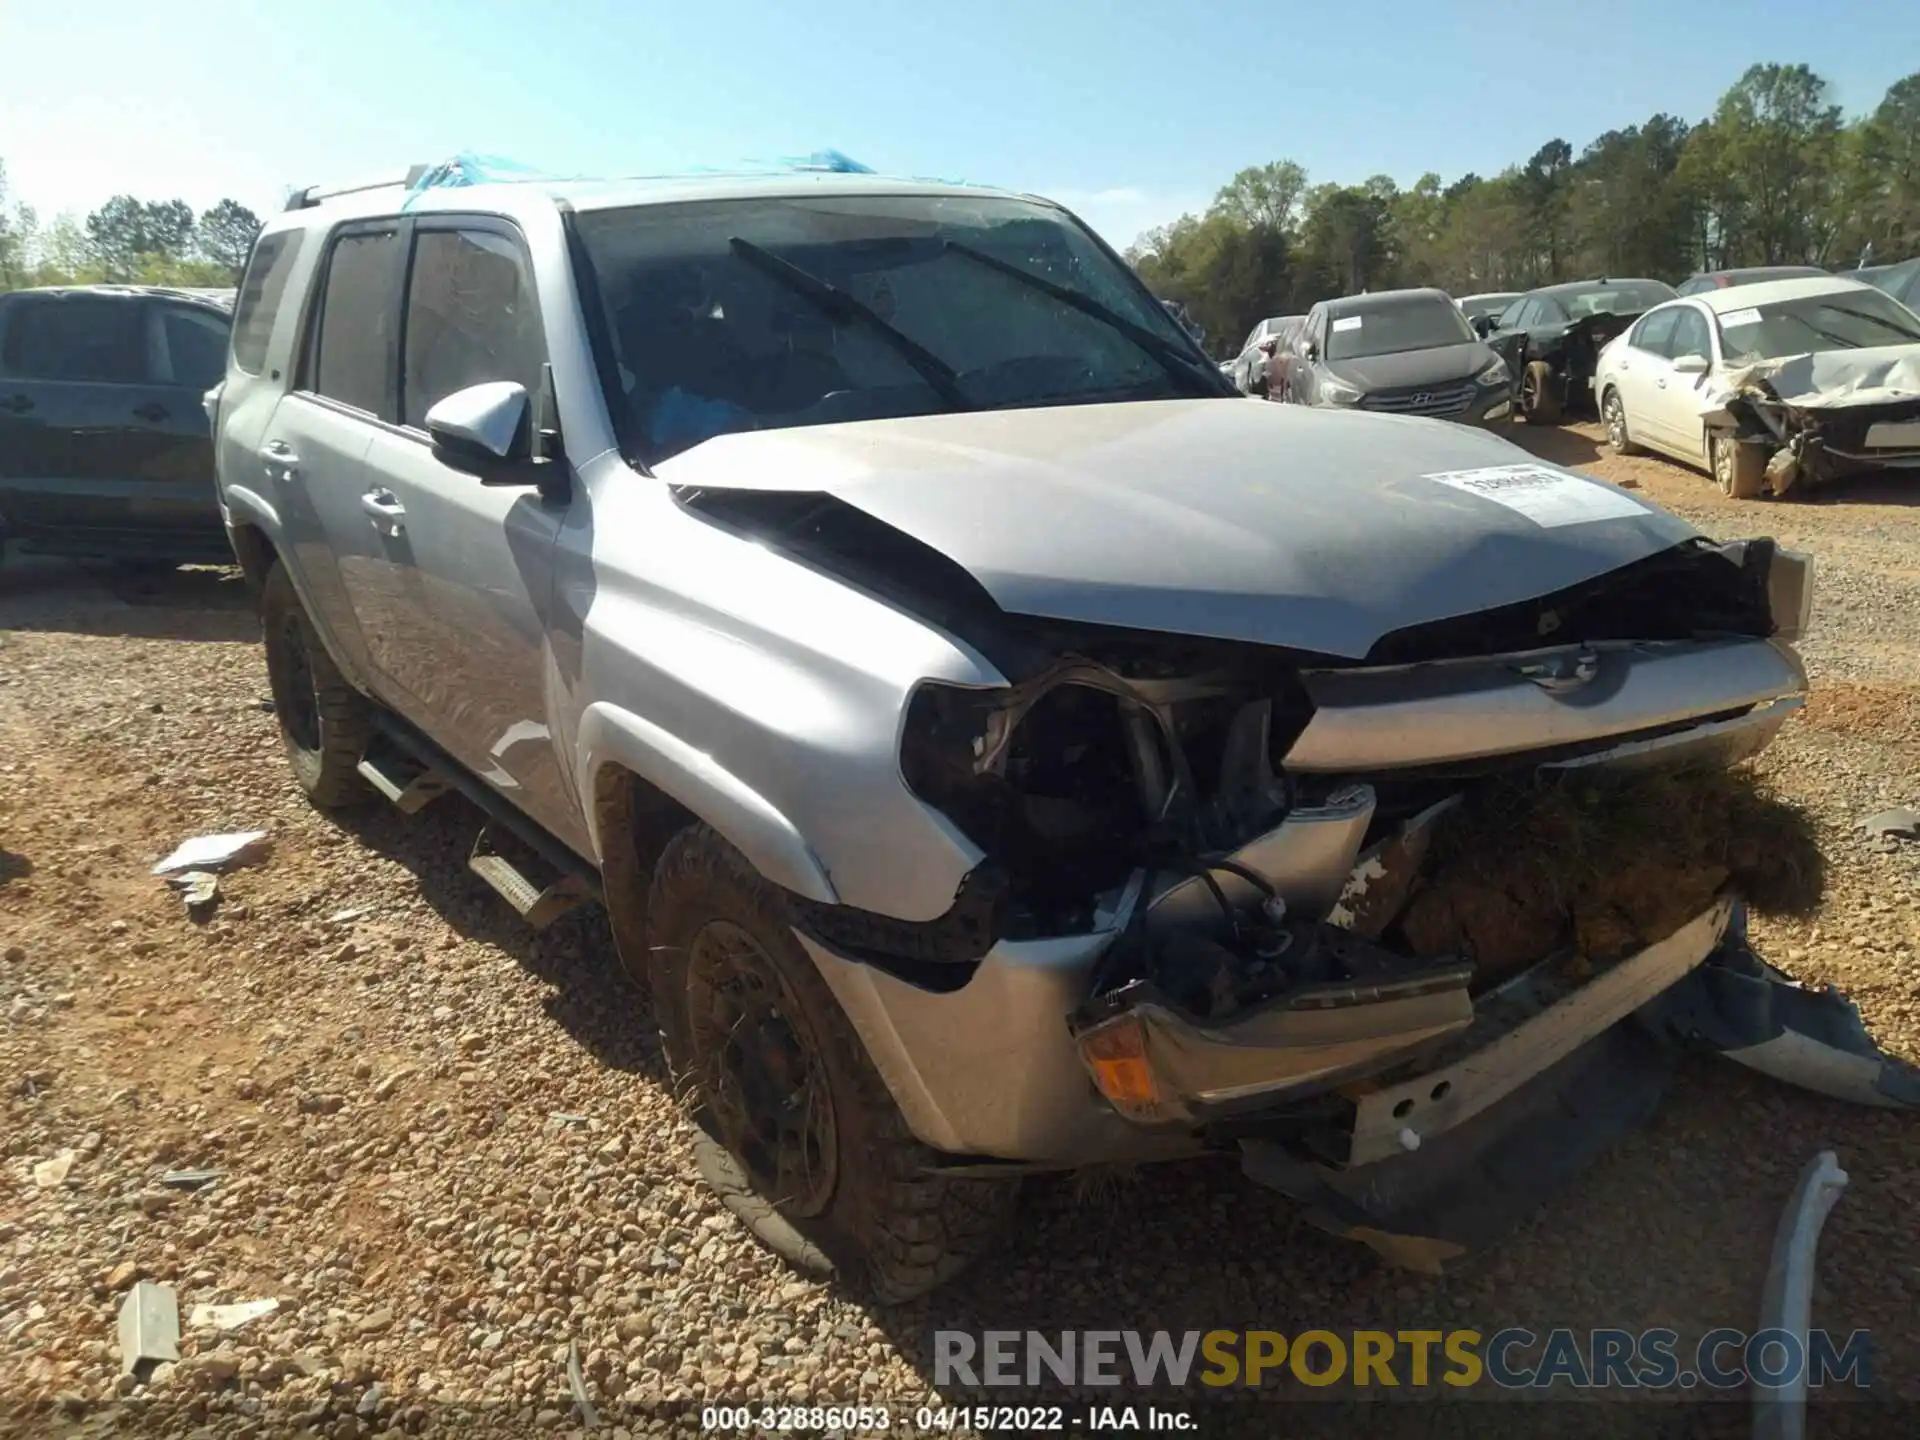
{"x":538,"y":906}
{"x":409,"y":785}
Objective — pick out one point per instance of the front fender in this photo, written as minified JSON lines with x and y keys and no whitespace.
{"x":750,"y":822}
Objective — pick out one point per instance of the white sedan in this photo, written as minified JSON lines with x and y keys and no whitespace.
{"x":1664,"y":384}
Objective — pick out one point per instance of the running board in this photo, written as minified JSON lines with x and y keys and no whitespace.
{"x":408,"y":785}
{"x":538,"y":907}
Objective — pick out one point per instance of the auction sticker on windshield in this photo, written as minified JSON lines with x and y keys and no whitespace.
{"x":1734,"y":319}
{"x":1348,"y":322}
{"x":1546,"y":496}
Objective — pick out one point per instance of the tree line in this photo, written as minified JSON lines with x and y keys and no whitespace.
{"x":145,"y":242}
{"x":1776,"y":175}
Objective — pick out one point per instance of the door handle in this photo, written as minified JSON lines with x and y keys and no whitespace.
{"x":280,"y":461}
{"x":17,"y":404}
{"x":385,"y":508}
{"x":152,"y":411}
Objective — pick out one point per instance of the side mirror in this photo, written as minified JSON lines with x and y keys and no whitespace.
{"x":1690,"y":365}
{"x":482,"y":421}
{"x":1483,"y":325}
{"x":1309,"y":351}
{"x":1266,"y":346}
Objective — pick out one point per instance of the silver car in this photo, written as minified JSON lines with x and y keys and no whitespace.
{"x":995,"y":751}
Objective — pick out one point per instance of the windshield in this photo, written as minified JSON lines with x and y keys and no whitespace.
{"x":770,"y":313}
{"x":1850,"y":320}
{"x":1623,"y":297}
{"x":1383,"y":330}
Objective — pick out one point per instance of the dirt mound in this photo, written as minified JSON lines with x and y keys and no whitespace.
{"x":1605,"y":865}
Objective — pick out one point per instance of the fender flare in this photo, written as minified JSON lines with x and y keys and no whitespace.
{"x":750,"y":822}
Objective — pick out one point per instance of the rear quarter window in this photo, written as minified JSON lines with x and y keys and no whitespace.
{"x":261,"y":291}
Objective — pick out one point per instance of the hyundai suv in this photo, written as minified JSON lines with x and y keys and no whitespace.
{"x":995,"y":750}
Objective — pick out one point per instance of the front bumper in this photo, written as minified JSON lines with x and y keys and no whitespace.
{"x":1465,"y":1179}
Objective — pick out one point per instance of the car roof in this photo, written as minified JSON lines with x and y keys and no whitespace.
{"x":1492,"y":295}
{"x":1769,"y":292}
{"x":1384,"y":299}
{"x":221,"y":300}
{"x":517,"y":196}
{"x":1577,"y":287}
{"x":1781,"y":270}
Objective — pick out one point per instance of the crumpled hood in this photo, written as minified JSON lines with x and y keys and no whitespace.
{"x":1884,"y":374}
{"x":1240,"y":520}
{"x":1442,"y":364}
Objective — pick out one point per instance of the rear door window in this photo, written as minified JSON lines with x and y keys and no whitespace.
{"x":192,"y":349}
{"x":354,"y":354}
{"x":79,"y":339}
{"x":471,"y":318}
{"x":261,"y":291}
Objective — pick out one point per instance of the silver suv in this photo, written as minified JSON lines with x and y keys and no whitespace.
{"x":998,"y":746}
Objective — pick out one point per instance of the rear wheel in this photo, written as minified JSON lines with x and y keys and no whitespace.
{"x":324,"y":722}
{"x":1614,"y":414}
{"x":1739,"y":470}
{"x":800,"y":1138}
{"x":1539,"y":401}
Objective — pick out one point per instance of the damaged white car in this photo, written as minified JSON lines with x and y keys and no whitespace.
{"x":1769,"y":386}
{"x":1000,"y":748}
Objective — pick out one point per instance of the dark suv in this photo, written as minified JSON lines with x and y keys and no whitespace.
{"x":105,"y":446}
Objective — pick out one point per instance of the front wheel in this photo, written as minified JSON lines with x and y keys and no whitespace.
{"x":1614,"y":414}
{"x":1739,"y":470}
{"x":324,"y":722}
{"x":800,"y":1138}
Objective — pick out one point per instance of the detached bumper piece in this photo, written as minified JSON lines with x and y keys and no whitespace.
{"x":1496,"y":1139}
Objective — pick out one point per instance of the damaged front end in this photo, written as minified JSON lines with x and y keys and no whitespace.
{"x":1825,"y":416}
{"x":1387,"y":927}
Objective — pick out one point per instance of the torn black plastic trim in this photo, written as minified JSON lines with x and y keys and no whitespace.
{"x":908,"y":948}
{"x":1700,"y":589}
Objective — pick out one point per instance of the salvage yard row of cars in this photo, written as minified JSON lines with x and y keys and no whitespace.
{"x":1769,"y":378}
{"x":997,"y":744}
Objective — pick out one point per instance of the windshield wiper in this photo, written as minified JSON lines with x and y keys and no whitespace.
{"x":1872,"y":319}
{"x":838,"y":304}
{"x":1169,"y":358}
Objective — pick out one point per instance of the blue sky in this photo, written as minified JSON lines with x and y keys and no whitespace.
{"x":1129,"y":111}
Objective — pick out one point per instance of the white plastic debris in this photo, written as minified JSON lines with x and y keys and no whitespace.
{"x":229,"y":1317}
{"x":49,"y":1174}
{"x":1780,"y":1411}
{"x":347,"y":917}
{"x":149,"y":1327}
{"x":215,"y":852}
{"x":199,"y":888}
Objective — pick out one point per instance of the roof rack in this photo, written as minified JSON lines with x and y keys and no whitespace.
{"x":389,"y":180}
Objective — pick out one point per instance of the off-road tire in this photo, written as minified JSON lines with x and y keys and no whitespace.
{"x":1739,"y":470}
{"x":326,"y":757}
{"x":1539,"y":405}
{"x":1613,"y":415}
{"x":890,"y":1225}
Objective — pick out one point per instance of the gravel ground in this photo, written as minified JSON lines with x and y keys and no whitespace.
{"x":447,"y":1154}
